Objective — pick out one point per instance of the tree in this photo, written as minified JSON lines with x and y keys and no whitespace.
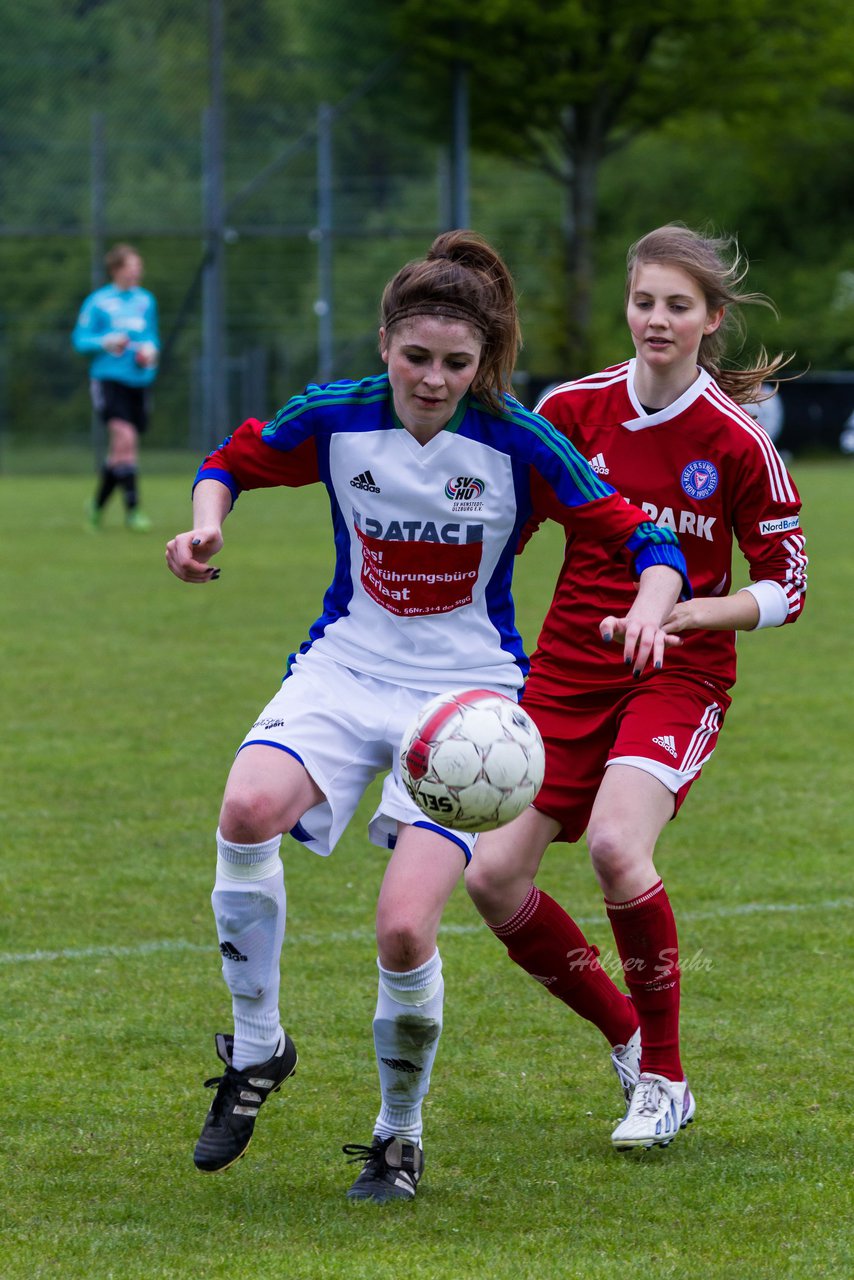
{"x":563,"y":84}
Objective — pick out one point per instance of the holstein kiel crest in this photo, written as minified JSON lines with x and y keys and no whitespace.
{"x":700,"y":479}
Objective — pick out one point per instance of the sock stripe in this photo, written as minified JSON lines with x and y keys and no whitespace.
{"x":520,"y":916}
{"x":636,"y":902}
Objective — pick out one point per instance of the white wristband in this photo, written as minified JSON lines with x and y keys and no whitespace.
{"x":773,"y":603}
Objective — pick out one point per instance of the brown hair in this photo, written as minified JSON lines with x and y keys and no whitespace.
{"x":116,"y":257}
{"x":718,"y":266}
{"x":463,"y":278}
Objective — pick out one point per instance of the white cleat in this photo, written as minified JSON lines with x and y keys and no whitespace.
{"x":626,"y":1061}
{"x":658,"y":1110}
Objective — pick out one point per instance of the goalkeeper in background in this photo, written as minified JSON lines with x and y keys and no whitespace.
{"x":117,"y":326}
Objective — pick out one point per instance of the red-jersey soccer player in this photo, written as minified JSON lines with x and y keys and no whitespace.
{"x":665,"y":428}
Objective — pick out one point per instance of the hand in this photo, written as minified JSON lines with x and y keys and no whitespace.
{"x":681,"y":619}
{"x":115,"y":343}
{"x":146,"y":355}
{"x":643,"y":641}
{"x":187,"y":554}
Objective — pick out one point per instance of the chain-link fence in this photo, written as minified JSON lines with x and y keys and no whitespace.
{"x":270,"y":194}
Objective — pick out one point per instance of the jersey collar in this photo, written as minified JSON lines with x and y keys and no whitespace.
{"x":453,"y":425}
{"x":643,"y":419}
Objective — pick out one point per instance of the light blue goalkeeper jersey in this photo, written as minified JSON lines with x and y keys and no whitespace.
{"x":112,"y":310}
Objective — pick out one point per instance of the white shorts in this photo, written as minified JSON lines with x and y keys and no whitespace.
{"x":345,"y":728}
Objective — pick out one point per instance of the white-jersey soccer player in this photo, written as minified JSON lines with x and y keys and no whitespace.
{"x":430,"y":473}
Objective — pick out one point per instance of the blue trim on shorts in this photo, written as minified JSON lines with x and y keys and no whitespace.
{"x":262,"y":742}
{"x":449,"y":835}
{"x":298,"y":832}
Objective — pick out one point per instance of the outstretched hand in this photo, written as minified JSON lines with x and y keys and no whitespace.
{"x":188,"y":554}
{"x":642,"y":629}
{"x":643,"y":642}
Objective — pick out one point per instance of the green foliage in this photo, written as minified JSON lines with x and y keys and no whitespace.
{"x":566,"y":84}
{"x":590,"y":123}
{"x":125,"y":693}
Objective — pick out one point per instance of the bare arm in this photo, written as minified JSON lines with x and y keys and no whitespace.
{"x":738,"y":612}
{"x":188,"y":554}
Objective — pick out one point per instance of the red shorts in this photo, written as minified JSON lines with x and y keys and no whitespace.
{"x":667,"y":726}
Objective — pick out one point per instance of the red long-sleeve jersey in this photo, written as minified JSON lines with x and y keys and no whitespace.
{"x":702,"y":467}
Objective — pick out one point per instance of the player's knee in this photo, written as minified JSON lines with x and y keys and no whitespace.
{"x":491,"y":886}
{"x":250,"y":815}
{"x":613,"y":850}
{"x":401,"y":943}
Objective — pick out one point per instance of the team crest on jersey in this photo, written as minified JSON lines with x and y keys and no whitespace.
{"x":464,"y":488}
{"x":700,"y":479}
{"x":465,"y":492}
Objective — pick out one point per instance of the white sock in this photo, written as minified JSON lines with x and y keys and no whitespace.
{"x":407,"y":1027}
{"x":249,"y":905}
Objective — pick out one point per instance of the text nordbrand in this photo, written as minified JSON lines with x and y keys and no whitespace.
{"x":785,"y":524}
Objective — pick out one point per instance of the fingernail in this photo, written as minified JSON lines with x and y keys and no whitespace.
{"x":214,"y":575}
{"x":608,"y":638}
{"x":195,"y":542}
{"x":627,"y":661}
{"x":636,"y":675}
{"x":658,"y":666}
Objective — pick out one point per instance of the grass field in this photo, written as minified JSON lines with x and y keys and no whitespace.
{"x":124,"y":694}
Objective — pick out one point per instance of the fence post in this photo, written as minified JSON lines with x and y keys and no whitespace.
{"x":214,"y":374}
{"x":460,"y":148}
{"x":97,"y":197}
{"x":323,"y":305}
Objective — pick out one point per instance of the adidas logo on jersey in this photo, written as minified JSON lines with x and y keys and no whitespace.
{"x":229,"y":951}
{"x":365,"y":481}
{"x":598,"y":465}
{"x":668,"y":742}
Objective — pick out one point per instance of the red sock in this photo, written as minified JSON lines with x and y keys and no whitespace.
{"x":545,"y":942}
{"x":645,"y":933}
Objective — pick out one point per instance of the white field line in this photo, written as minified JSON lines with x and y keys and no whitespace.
{"x":363,"y":935}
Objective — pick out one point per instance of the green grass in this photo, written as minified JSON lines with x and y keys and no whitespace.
{"x":125,"y":694}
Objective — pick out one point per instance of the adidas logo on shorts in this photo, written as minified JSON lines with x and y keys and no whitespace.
{"x":668,"y":742}
{"x":365,"y":481}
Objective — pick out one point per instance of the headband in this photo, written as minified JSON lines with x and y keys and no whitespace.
{"x":449,"y":310}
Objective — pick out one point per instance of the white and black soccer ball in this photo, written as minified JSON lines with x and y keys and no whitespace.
{"x":472,"y":759}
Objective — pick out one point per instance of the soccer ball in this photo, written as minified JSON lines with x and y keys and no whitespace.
{"x":472,"y":760}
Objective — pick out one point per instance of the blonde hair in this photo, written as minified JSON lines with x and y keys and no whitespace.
{"x":718,"y":266}
{"x":115,"y":258}
{"x":463,"y":278}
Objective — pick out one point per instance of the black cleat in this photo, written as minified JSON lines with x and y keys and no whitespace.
{"x":228,"y":1125}
{"x":392,"y":1169}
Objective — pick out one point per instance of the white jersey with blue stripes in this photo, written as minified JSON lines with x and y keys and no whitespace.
{"x":426,"y":534}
